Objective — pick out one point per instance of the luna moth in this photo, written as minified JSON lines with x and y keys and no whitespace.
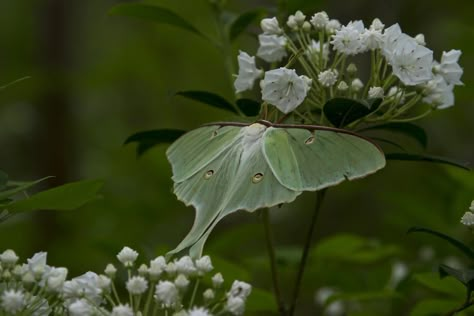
{"x":224,"y":167}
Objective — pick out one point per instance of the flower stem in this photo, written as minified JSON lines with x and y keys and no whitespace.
{"x":193,"y":296}
{"x":273,"y":266}
{"x":307,"y":245}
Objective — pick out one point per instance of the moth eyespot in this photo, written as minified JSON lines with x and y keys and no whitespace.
{"x":257,"y":177}
{"x":208,"y":174}
{"x":214,"y":134}
{"x":309,"y":141}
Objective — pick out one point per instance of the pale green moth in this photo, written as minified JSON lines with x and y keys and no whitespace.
{"x":224,"y":167}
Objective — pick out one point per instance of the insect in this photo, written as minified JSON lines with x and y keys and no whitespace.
{"x":223,"y":167}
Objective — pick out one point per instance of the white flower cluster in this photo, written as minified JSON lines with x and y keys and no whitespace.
{"x":35,"y":288}
{"x":403,"y":72}
{"x":468,"y":217}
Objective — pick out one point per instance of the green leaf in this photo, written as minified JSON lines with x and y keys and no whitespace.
{"x":230,"y":269}
{"x":249,"y":107}
{"x":408,"y":129}
{"x":3,"y":180}
{"x":154,"y":14}
{"x":260,"y":301}
{"x":343,"y":111}
{"x":63,"y":198}
{"x":362,"y":296}
{"x":425,"y":158}
{"x":243,"y":21}
{"x":456,"y":243}
{"x":209,"y":98}
{"x":465,"y":276}
{"x":19,"y":187}
{"x":447,"y":286}
{"x":383,"y":140}
{"x":435,"y":307}
{"x":148,"y":139}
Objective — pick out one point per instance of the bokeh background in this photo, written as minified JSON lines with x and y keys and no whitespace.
{"x":96,"y":79}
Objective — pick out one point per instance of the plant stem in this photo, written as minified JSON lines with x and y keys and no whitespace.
{"x":273,"y":266}
{"x":307,"y":245}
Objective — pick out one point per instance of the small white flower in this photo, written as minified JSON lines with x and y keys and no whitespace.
{"x":377,"y":25}
{"x":9,"y":257}
{"x":181,"y":282}
{"x":240,"y":289}
{"x":468,"y":219}
{"x":199,"y":311}
{"x":372,"y":39}
{"x":208,"y":295}
{"x":284,"y":89}
{"x":420,"y":39}
{"x":143,"y":270}
{"x":185,"y":265}
{"x":167,"y":293}
{"x":80,"y":308}
{"x":328,"y":78}
{"x":204,"y":265}
{"x":235,"y":305}
{"x":37,"y":264}
{"x":300,"y":17}
{"x":306,"y":26}
{"x":56,"y":278}
{"x":332,"y":26}
{"x":271,"y":26}
{"x":472,"y":206}
{"x":315,"y":48}
{"x":13,"y":301}
{"x":127,"y":256}
{"x":217,"y":280}
{"x":342,"y":86}
{"x":390,"y":40}
{"x":357,"y":84}
{"x":449,"y":67}
{"x":137,"y":285}
{"x":291,"y":22}
{"x":438,"y":93}
{"x":348,"y":40}
{"x":171,"y":268}
{"x":110,"y":270}
{"x":104,"y":283}
{"x":376,"y":92}
{"x":83,"y":285}
{"x":397,"y":94}
{"x":272,"y":48}
{"x":122,"y":310}
{"x":157,"y":266}
{"x":323,"y":294}
{"x":248,"y":72}
{"x":320,"y":20}
{"x":399,"y":272}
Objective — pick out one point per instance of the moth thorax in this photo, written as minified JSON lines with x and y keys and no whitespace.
{"x":252,"y":134}
{"x":257,"y":177}
{"x":208,"y":174}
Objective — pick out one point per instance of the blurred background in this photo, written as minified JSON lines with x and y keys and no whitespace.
{"x":96,"y":79}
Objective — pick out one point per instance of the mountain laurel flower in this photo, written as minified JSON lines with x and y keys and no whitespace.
{"x":143,"y":270}
{"x":299,"y":18}
{"x":271,"y":26}
{"x":56,"y":278}
{"x":199,"y":311}
{"x":342,"y":86}
{"x":171,"y":268}
{"x":185,"y":265}
{"x":291,"y":22}
{"x":137,"y":285}
{"x":348,"y":40}
{"x":328,"y":78}
{"x":390,"y":40}
{"x":122,"y":310}
{"x":420,"y":39}
{"x":204,"y":265}
{"x":372,"y":39}
{"x":284,"y":89}
{"x":332,"y":26}
{"x":37,"y":264}
{"x":315,"y":48}
{"x":240,"y":289}
{"x":156,"y":268}
{"x":449,"y":67}
{"x":80,"y":308}
{"x":9,"y":257}
{"x":110,"y":271}
{"x":104,"y":283}
{"x":320,"y":20}
{"x":272,"y":48}
{"x":208,"y":295}
{"x":396,"y":94}
{"x":83,"y":285}
{"x":377,"y":25}
{"x":127,"y":256}
{"x":248,"y":72}
{"x":181,"y":282}
{"x":217,"y":280}
{"x":438,"y":93}
{"x":167,"y":293}
{"x":376,"y":92}
{"x":12,"y":301}
{"x":357,"y":84}
{"x":306,"y":27}
{"x":235,"y":305}
{"x":468,"y":219}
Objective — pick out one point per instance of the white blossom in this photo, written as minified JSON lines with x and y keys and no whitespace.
{"x":13,"y":301}
{"x":348,"y":40}
{"x":468,"y":219}
{"x":9,"y":257}
{"x":181,"y":282}
{"x":357,"y":84}
{"x":300,"y":17}
{"x":104,"y":283}
{"x":271,"y":26}
{"x":199,"y":311}
{"x":127,"y":256}
{"x":291,"y":22}
{"x":315,"y":48}
{"x":37,"y":264}
{"x":110,"y":270}
{"x":157,"y":266}
{"x":377,"y":25}
{"x":420,"y":39}
{"x":397,"y":94}
{"x":240,"y":289}
{"x":56,"y":278}
{"x":376,"y":92}
{"x":399,"y":272}
{"x":272,"y":48}
{"x":208,"y":295}
{"x":171,"y":268}
{"x":137,"y":285}
{"x":472,"y":206}
{"x":167,"y":293}
{"x":438,"y":93}
{"x":306,"y":26}
{"x":83,"y":285}
{"x":185,"y":265}
{"x":320,"y":20}
{"x":248,"y":72}
{"x":372,"y":39}
{"x":122,"y":310}
{"x":390,"y":40}
{"x":235,"y":305}
{"x":217,"y":280}
{"x":284,"y":89}
{"x":332,"y":26}
{"x":143,"y":270}
{"x":80,"y":308}
{"x":204,"y":265}
{"x":342,"y":86}
{"x":328,"y":78}
{"x":449,"y":67}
